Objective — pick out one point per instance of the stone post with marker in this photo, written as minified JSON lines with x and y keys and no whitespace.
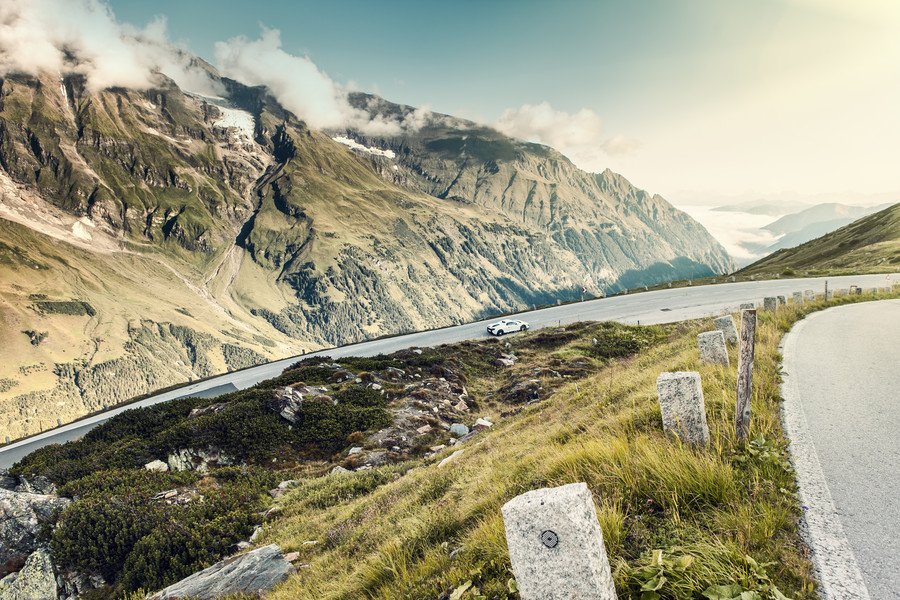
{"x":745,"y":375}
{"x":712,"y":347}
{"x":770,"y":303}
{"x":556,"y":545}
{"x":782,"y":301}
{"x":682,"y":406}
{"x":798,"y":297}
{"x":748,"y":305}
{"x":725,"y":324}
{"x":810,"y":295}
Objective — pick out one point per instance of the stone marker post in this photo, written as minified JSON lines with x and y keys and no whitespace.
{"x":745,"y":374}
{"x":782,"y":300}
{"x":712,"y":347}
{"x":810,"y":295}
{"x":556,"y":545}
{"x":798,"y":298}
{"x":770,"y":303}
{"x":725,"y":324}
{"x":682,"y":406}
{"x":747,"y":305}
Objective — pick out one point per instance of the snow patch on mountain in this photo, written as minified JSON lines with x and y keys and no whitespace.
{"x":354,"y":145}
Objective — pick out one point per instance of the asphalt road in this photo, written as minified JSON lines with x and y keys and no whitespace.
{"x":662,"y":306}
{"x":843,"y":366}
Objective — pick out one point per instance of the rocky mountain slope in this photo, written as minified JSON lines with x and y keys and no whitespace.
{"x":150,"y":237}
{"x":868,"y":245}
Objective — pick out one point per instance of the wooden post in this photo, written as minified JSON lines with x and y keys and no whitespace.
{"x":745,"y":374}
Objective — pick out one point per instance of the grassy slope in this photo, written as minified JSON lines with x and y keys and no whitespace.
{"x":869,"y":245}
{"x":718,"y":506}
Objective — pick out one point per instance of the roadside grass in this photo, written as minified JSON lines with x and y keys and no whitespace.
{"x":677,"y":521}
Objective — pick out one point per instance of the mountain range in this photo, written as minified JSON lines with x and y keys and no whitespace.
{"x":151,"y":237}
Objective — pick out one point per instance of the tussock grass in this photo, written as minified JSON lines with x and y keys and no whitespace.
{"x":676,"y":520}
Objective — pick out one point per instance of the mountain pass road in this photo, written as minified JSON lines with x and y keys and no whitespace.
{"x":661,"y":306}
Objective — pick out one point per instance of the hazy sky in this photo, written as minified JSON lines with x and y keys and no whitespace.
{"x":691,"y":99}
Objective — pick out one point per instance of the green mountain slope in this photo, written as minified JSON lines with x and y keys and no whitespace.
{"x":230,"y":222}
{"x":869,"y":245}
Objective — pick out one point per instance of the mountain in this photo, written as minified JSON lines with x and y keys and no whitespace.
{"x":764,"y":207}
{"x":870,"y":244}
{"x":152,"y":237}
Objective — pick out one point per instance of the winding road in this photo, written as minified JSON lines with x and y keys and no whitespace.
{"x":661,"y":306}
{"x":842,"y":414}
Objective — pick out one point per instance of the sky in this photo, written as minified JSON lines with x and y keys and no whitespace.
{"x":702,"y":101}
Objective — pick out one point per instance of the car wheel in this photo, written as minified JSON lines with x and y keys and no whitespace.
{"x":500,"y":332}
{"x":523,"y":328}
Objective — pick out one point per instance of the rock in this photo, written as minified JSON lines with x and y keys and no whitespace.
{"x":461,"y":406}
{"x":35,"y":581}
{"x":450,"y":458}
{"x":242,"y":545}
{"x":726,"y":325}
{"x":21,"y":516}
{"x":157,"y":465}
{"x":682,"y":406}
{"x":438,"y":448}
{"x":252,"y":574}
{"x":797,"y":297}
{"x":504,"y":362}
{"x":482,"y":424}
{"x":376,"y":386}
{"x":212,"y":409}
{"x":712,"y":347}
{"x":291,"y":556}
{"x":523,"y":392}
{"x":284,"y":486}
{"x":36,"y":485}
{"x":770,"y":303}
{"x":71,"y":585}
{"x":257,"y":533}
{"x":458,"y":429}
{"x":7,"y":481}
{"x":417,"y":351}
{"x":423,"y":429}
{"x":339,"y":470}
{"x":193,"y":459}
{"x":354,"y":450}
{"x":782,"y":300}
{"x":556,"y":545}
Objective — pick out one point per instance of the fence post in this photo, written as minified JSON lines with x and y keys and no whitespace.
{"x":745,"y":374}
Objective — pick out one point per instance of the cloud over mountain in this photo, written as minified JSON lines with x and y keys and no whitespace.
{"x":580,"y":135}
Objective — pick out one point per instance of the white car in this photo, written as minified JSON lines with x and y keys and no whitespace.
{"x":506,"y":326}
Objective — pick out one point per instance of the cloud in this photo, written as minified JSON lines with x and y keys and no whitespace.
{"x":84,"y":37}
{"x":579,"y":135}
{"x":297,"y":83}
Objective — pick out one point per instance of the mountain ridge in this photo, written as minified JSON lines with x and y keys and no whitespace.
{"x":217,"y":246}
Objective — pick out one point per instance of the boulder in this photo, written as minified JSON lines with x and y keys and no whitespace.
{"x":36,"y":485}
{"x":21,"y":516}
{"x":458,"y":430}
{"x":726,"y":325}
{"x":194,"y":459}
{"x":712,"y":347}
{"x":35,"y":581}
{"x":339,"y":470}
{"x":482,"y":424}
{"x":7,"y":481}
{"x":250,"y":574}
{"x":157,"y":465}
{"x":682,"y":406}
{"x":212,"y":409}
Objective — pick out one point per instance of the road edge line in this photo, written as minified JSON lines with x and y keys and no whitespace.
{"x":834,"y":562}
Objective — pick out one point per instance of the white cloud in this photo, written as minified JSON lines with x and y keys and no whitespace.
{"x":579,"y":135}
{"x":84,"y":37}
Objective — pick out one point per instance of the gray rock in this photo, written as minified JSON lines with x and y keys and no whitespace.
{"x":339,"y":470}
{"x":35,"y":581}
{"x":36,"y":485}
{"x":252,"y":574}
{"x":450,"y":458}
{"x":726,"y":325}
{"x":770,"y":303}
{"x":354,"y":450}
{"x":157,"y":465}
{"x":21,"y":517}
{"x":458,"y":429}
{"x":797,"y":297}
{"x":556,"y":545}
{"x":712,"y":347}
{"x":193,"y":459}
{"x":682,"y":406}
{"x":71,"y":585}
{"x":7,"y":481}
{"x":212,"y":409}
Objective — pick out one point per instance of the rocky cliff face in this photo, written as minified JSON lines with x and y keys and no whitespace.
{"x":210,"y":233}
